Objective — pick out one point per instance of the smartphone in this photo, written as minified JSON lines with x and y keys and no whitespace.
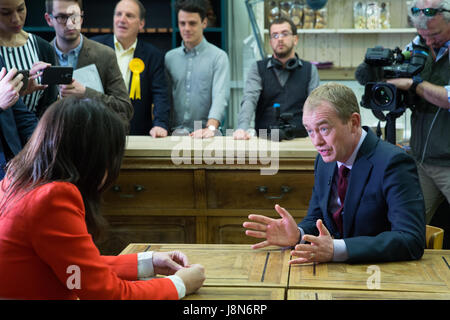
{"x":57,"y":75}
{"x":26,"y":74}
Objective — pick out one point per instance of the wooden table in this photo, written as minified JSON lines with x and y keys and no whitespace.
{"x":237,"y":293}
{"x":238,"y":272}
{"x":318,"y":294}
{"x":231,"y":265}
{"x":429,"y":274}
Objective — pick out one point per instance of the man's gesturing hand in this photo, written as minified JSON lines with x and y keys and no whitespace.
{"x":279,"y":232}
{"x":320,"y":250}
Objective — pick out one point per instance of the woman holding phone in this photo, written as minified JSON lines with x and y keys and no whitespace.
{"x":26,"y":51}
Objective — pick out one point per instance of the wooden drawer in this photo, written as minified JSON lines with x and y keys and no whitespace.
{"x":124,"y":230}
{"x":229,"y":230}
{"x":151,"y":189}
{"x":250,"y":189}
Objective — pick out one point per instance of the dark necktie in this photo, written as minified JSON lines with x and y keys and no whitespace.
{"x":342,"y":190}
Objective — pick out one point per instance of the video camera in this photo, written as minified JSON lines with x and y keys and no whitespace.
{"x":286,"y":129}
{"x":382,"y":63}
{"x":379,"y":64}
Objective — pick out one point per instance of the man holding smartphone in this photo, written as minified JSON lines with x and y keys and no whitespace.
{"x":74,"y":50}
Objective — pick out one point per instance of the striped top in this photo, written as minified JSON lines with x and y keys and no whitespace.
{"x":23,"y":58}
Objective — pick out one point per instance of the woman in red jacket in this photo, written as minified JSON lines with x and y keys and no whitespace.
{"x":49,"y":215}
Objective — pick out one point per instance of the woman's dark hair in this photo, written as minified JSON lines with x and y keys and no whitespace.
{"x":77,"y":141}
{"x":192,"y":6}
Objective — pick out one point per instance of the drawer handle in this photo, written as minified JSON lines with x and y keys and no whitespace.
{"x":137,"y":188}
{"x":264,"y":190}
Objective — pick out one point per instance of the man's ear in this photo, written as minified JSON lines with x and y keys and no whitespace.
{"x":355,"y":120}
{"x":142,"y":25}
{"x":48,"y":19}
{"x":295,"y":41}
{"x":205,"y":23}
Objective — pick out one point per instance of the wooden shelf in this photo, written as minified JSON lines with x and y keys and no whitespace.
{"x":337,"y":74}
{"x":354,"y":31}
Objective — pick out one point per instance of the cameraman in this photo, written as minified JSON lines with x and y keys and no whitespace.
{"x":430,"y":121}
{"x":283,"y":78}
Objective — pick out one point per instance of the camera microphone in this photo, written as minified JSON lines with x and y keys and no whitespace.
{"x":365,"y":73}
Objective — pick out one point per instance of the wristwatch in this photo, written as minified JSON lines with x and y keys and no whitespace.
{"x":416,"y":81}
{"x":212,"y":128}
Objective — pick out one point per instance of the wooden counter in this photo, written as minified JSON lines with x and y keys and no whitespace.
{"x":184,"y":190}
{"x":238,"y":272}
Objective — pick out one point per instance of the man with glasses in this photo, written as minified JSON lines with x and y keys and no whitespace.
{"x":284,"y":79}
{"x":74,"y":50}
{"x":430,"y":121}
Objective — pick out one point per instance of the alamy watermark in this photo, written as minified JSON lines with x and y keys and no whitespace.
{"x":74,"y":280}
{"x":374,"y":280}
{"x":263,"y":151}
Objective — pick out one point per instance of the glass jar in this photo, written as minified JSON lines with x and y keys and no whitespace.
{"x":296,"y":14}
{"x":373,"y":15}
{"x":309,"y":17}
{"x":359,"y":15}
{"x":385,"y":20}
{"x":274,"y":11}
{"x":321,"y":19}
{"x":285,"y":7}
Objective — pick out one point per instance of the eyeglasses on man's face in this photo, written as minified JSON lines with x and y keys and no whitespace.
{"x":62,"y":18}
{"x":429,"y":12}
{"x":280,"y":35}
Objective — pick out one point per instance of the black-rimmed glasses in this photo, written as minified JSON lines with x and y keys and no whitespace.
{"x":62,"y":18}
{"x":429,"y":12}
{"x":280,"y":35}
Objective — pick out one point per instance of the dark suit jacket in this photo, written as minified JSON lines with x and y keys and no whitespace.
{"x":384,"y":211}
{"x":46,"y":53}
{"x":17,"y":125}
{"x":154,"y":88}
{"x":115,"y":96}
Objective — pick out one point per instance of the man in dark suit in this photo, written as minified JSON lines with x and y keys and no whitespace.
{"x":129,"y":20}
{"x":380,"y":216}
{"x":16,"y":122}
{"x":75,"y":50}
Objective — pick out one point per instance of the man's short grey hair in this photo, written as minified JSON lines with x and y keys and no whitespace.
{"x":421,"y":20}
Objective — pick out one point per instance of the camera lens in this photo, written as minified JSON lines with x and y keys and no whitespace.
{"x":382,"y":95}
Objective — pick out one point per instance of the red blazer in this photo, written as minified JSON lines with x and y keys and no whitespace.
{"x":43,"y":234}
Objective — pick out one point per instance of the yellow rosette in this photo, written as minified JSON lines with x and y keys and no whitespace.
{"x":137,"y":66}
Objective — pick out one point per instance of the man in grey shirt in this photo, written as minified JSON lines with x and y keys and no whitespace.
{"x":283,"y":78}
{"x":198,"y":75}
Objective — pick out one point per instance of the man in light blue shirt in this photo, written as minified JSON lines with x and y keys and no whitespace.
{"x":198,"y":76}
